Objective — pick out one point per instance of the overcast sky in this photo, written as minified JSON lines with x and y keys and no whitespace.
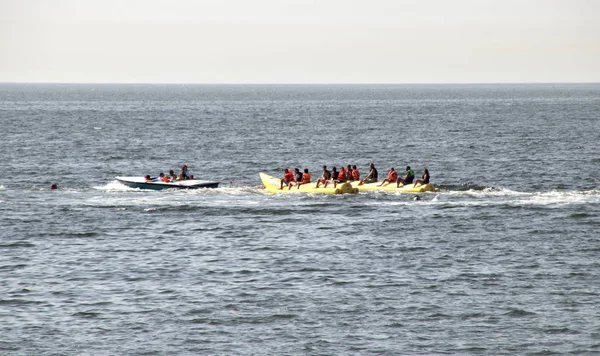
{"x":302,"y":41}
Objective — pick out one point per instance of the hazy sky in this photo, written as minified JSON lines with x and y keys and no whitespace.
{"x":302,"y":41}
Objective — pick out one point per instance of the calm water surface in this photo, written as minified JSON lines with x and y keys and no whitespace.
{"x":502,"y":261}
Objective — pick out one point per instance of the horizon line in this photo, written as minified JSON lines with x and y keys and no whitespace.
{"x":298,"y":84}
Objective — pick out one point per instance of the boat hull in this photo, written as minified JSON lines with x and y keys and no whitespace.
{"x":272,"y":185}
{"x":391,"y":187}
{"x":140,"y":183}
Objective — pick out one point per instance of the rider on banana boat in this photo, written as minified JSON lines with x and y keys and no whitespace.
{"x":297,"y":178}
{"x":355,"y":173}
{"x":342,"y":177}
{"x":305,"y":178}
{"x":392,"y":177}
{"x":288,"y":176}
{"x":424,"y":178}
{"x":334,"y":177}
{"x":324,"y":178}
{"x":407,"y":179}
{"x":371,"y":177}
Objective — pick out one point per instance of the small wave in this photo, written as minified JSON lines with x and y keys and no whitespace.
{"x":17,"y":244}
{"x":87,"y":314}
{"x":560,"y":331}
{"x":517,"y":313}
{"x":472,"y":316}
{"x":462,"y":187}
{"x":18,"y":302}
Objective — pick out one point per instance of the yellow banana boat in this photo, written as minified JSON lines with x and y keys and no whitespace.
{"x":391,"y":187}
{"x":272,"y":185}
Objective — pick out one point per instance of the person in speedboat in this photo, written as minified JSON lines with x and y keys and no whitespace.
{"x":184,"y":173}
{"x":371,"y":177}
{"x":172,"y":176}
{"x":392,"y":177}
{"x":407,"y":179}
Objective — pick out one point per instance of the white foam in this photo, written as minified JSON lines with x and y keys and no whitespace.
{"x":115,"y":186}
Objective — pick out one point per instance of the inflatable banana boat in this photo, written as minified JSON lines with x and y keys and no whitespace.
{"x":272,"y":185}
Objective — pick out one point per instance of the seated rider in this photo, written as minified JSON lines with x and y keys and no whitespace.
{"x":408,"y":177}
{"x":147,"y":178}
{"x":324,"y":178}
{"x":297,"y":178}
{"x":355,"y":173}
{"x":342,"y":177}
{"x":305,"y":178}
{"x":161,"y":178}
{"x":424,"y":178}
{"x":288,"y":177}
{"x":392,"y":177}
{"x":172,"y":176}
{"x":334,"y":177}
{"x":184,"y":173}
{"x":371,"y":177}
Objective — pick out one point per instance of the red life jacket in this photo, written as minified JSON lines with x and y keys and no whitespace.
{"x":342,"y":174}
{"x":393,"y":176}
{"x":355,"y":174}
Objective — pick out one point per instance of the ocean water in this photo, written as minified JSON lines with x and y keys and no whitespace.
{"x":503,"y":260}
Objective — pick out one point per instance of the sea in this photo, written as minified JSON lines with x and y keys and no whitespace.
{"x":503,"y":260}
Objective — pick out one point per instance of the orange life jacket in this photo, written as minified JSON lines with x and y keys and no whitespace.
{"x":392,"y":176}
{"x":305,"y":178}
{"x":164,"y":179}
{"x":342,"y":174}
{"x":355,"y":174}
{"x":289,"y":176}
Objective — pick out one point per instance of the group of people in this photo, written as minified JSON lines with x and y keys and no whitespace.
{"x":171,"y":177}
{"x":351,"y":173}
{"x":408,"y":178}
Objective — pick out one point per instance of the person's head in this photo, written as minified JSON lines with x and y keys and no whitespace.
{"x":426,"y":171}
{"x":408,"y":168}
{"x":333,"y":168}
{"x":324,"y":168}
{"x":372,"y":165}
{"x":392,"y":169}
{"x":285,"y":170}
{"x":54,"y":186}
{"x":354,"y":167}
{"x":147,"y":177}
{"x":171,"y":172}
{"x":296,"y":170}
{"x":161,"y":174}
{"x":348,"y":167}
{"x":305,"y":170}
